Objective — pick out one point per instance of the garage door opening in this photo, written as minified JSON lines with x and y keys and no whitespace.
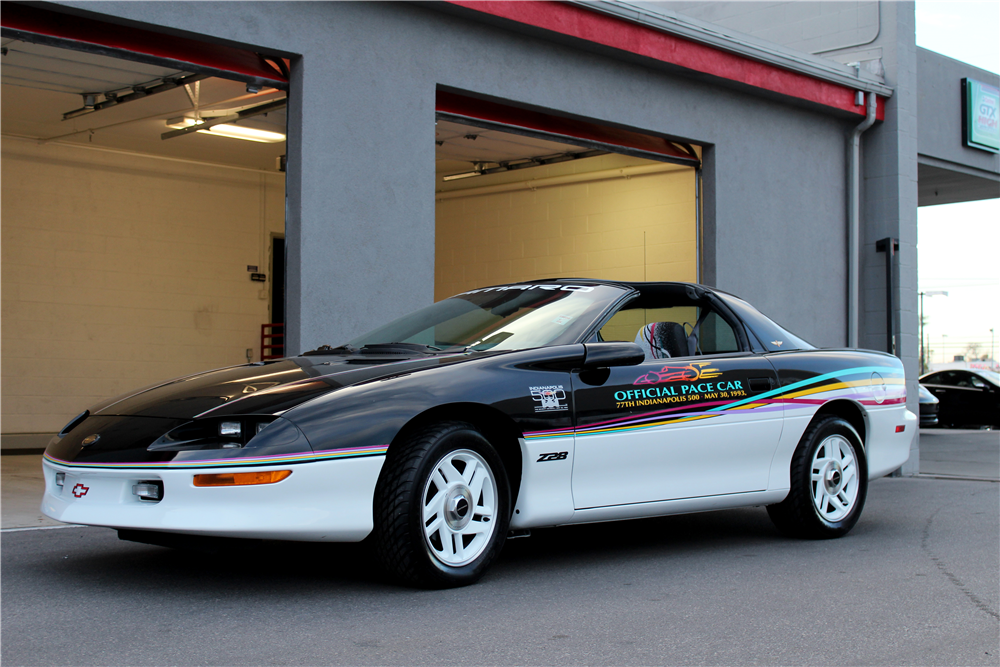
{"x":141,"y":205}
{"x":518,"y":204}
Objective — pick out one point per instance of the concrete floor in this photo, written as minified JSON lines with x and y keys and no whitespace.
{"x":21,"y":489}
{"x":943,"y":453}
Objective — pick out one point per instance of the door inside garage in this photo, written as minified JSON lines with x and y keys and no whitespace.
{"x":141,"y":204}
{"x":528,"y":196}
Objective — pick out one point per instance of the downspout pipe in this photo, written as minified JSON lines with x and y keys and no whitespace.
{"x":854,"y":221}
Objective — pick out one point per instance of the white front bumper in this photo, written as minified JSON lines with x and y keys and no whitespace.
{"x":320,"y":501}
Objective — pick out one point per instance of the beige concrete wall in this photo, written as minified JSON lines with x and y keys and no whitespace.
{"x":122,"y":270}
{"x":637,"y":228}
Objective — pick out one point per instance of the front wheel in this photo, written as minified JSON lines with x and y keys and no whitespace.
{"x":829,"y":483}
{"x":442,"y":507}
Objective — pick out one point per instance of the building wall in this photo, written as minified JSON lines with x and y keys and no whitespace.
{"x":639,"y":228}
{"x":889,"y":204}
{"x":121,"y":270}
{"x":812,"y":27}
{"x":939,"y":105}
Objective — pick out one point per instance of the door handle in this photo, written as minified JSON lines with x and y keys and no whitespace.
{"x":758,"y":385}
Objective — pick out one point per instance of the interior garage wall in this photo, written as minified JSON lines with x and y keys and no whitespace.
{"x":637,"y":228}
{"x":121,"y":270}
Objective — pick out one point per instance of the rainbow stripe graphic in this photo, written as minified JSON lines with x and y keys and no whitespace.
{"x":802,"y":396}
{"x":275,"y":459}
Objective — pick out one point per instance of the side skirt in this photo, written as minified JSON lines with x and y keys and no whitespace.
{"x":679,"y":506}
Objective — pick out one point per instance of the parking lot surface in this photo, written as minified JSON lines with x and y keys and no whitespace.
{"x":915,"y":583}
{"x":960,"y":453}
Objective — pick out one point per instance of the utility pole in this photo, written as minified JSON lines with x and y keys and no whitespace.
{"x":923,"y":346}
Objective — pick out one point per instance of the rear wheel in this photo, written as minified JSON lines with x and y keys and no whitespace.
{"x":442,"y":507}
{"x":829,"y":483}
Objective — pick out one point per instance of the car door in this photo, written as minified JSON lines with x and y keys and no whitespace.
{"x":680,"y":427}
{"x":958,"y":395}
{"x":975,"y":400}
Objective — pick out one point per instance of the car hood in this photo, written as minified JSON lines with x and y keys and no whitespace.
{"x":262,"y":388}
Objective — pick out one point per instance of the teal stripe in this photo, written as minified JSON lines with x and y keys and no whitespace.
{"x":806,"y":383}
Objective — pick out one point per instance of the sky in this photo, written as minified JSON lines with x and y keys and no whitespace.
{"x":958,"y":247}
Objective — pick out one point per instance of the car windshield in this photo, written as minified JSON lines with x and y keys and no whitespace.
{"x":508,"y":317}
{"x":992,"y":376}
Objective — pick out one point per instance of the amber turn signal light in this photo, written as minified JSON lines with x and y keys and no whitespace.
{"x":241,"y":478}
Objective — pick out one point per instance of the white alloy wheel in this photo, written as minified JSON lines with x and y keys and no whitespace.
{"x":834,"y":478}
{"x":828,"y":482}
{"x":458,"y":508}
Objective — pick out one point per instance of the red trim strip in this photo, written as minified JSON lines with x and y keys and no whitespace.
{"x":535,"y":120}
{"x":578,"y":22}
{"x":109,"y":35}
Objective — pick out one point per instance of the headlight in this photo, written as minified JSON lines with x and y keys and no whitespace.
{"x":228,"y":433}
{"x":231,"y":429}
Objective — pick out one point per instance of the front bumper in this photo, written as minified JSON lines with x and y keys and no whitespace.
{"x":928,"y":414}
{"x":320,"y":501}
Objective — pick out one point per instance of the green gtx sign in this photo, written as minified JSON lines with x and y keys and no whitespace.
{"x":980,"y":115}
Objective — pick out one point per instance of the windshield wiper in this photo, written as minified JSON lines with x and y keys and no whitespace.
{"x":326,"y":349}
{"x":401,"y":347}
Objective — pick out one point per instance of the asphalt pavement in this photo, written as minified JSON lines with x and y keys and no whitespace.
{"x":917,"y":582}
{"x":959,"y":453}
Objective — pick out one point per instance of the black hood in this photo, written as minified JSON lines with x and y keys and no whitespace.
{"x":262,"y":388}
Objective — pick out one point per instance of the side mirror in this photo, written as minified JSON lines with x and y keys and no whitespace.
{"x":607,"y":355}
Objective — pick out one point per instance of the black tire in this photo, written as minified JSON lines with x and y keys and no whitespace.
{"x":429,"y":540}
{"x":829,"y":483}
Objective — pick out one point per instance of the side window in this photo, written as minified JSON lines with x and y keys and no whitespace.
{"x":624,"y":325}
{"x":970,"y":380}
{"x":949,"y":378}
{"x":715,"y":336}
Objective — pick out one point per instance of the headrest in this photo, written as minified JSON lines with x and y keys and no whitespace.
{"x":661,"y":340}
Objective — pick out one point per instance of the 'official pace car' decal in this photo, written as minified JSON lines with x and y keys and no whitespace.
{"x":805,"y":395}
{"x":695,"y":392}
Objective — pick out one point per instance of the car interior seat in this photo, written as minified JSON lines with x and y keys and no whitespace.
{"x":662,"y":340}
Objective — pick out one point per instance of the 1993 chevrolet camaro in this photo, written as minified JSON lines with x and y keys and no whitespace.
{"x":501,"y":409}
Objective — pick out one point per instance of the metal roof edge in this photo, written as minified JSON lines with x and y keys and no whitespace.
{"x":740,"y":44}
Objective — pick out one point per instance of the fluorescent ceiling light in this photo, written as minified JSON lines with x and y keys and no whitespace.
{"x":229,"y":130}
{"x":467,"y":174}
{"x":241,"y":132}
{"x":182,"y":122}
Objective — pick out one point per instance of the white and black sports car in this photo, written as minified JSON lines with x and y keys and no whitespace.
{"x":501,"y":409}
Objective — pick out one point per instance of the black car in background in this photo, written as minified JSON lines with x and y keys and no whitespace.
{"x":928,"y":408}
{"x":967,"y":397}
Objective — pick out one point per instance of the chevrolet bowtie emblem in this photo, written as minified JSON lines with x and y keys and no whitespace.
{"x":90,"y":439}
